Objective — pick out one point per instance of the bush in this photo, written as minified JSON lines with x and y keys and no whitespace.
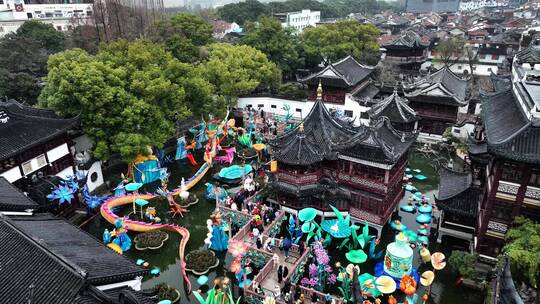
{"x":201,"y":261}
{"x":165,"y":292}
{"x":292,"y":91}
{"x":150,"y":239}
{"x":462,"y":263}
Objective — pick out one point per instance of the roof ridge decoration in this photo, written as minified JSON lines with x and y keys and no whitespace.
{"x":400,"y":103}
{"x":530,"y":54}
{"x":3,"y":117}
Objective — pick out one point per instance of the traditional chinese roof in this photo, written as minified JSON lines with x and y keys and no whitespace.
{"x":345,"y":73}
{"x":100,"y":264}
{"x":28,"y":267}
{"x":12,"y":199}
{"x":509,"y":132}
{"x":456,"y":194}
{"x":379,"y":143}
{"x":23,"y":127}
{"x":395,"y":108}
{"x":442,"y":83}
{"x":320,"y":136}
{"x":409,"y":39}
{"x":112,"y":296}
{"x":530,"y":54}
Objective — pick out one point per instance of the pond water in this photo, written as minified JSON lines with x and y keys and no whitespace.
{"x":444,"y":290}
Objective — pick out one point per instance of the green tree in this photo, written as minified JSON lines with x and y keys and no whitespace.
{"x":183,"y":35}
{"x":128,"y":95}
{"x":450,"y":51}
{"x":50,"y":39}
{"x":522,"y":247}
{"x":23,"y":59}
{"x":241,"y":12}
{"x":239,"y":69}
{"x":84,"y":37}
{"x":332,"y":42}
{"x":278,"y":43}
{"x":462,"y":263}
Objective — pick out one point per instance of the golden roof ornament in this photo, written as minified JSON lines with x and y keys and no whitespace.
{"x":319,"y":90}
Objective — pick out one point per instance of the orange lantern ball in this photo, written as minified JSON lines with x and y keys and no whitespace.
{"x":392,"y":300}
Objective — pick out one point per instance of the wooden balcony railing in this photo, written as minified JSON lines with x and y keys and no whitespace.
{"x":299,"y":179}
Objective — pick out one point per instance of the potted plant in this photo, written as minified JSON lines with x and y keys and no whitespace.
{"x":201,"y":261}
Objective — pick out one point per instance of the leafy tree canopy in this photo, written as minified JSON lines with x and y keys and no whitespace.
{"x":462,"y":263}
{"x":128,"y":95}
{"x":278,"y":43}
{"x":251,"y":10}
{"x":238,"y":69}
{"x":52,"y":40}
{"x":523,"y":246}
{"x":367,"y":7}
{"x":183,"y":35}
{"x":449,"y":51}
{"x":23,"y":59}
{"x":332,"y":42}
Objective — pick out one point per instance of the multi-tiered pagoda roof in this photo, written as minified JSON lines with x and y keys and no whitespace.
{"x":394,"y":107}
{"x":321,"y":137}
{"x":438,"y":85}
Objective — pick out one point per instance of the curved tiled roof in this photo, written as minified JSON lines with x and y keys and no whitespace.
{"x":530,"y":54}
{"x":23,"y":127}
{"x":101,"y":265}
{"x":443,"y":82}
{"x":12,"y":199}
{"x":409,"y":39}
{"x":27,"y":268}
{"x":455,"y":193}
{"x":320,"y":137}
{"x":395,"y":108}
{"x":347,"y":73}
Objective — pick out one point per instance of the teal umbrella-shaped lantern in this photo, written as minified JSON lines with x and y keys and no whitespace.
{"x":337,"y":228}
{"x":141,"y":203}
{"x":356,"y":256}
{"x":307,"y":214}
{"x":133,"y":187}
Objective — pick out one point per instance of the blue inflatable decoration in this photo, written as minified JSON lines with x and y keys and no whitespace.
{"x":420,"y":177}
{"x":155,"y":271}
{"x":423,"y":240}
{"x":423,"y":231}
{"x":235,"y":171}
{"x":220,"y":239}
{"x":211,"y":192}
{"x":106,"y":236}
{"x":423,"y":218}
{"x":397,"y":226}
{"x":165,"y":302}
{"x":425,"y":208}
{"x":409,"y":175}
{"x":407,"y":208}
{"x":139,"y":262}
{"x":407,"y":169}
{"x":417,"y":170}
{"x":147,"y":171}
{"x":410,"y":188}
{"x":181,"y":151}
{"x":202,"y":280}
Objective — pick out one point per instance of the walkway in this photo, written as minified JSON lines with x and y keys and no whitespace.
{"x":267,"y":276}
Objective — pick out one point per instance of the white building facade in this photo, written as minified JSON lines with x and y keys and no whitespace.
{"x":63,"y":17}
{"x":299,"y":20}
